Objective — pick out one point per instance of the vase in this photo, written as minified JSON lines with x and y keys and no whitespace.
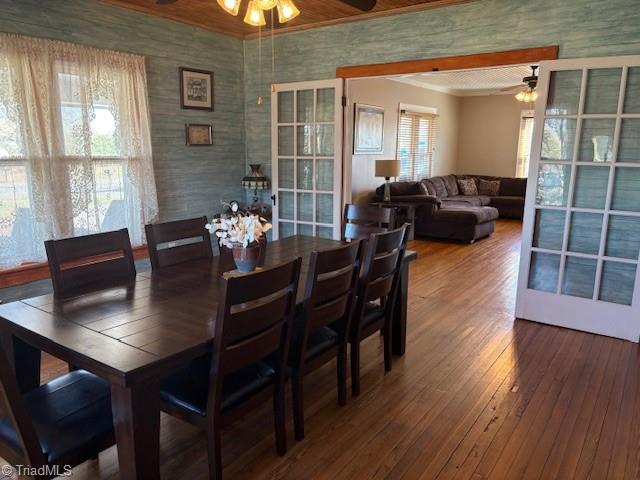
{"x":246,"y":258}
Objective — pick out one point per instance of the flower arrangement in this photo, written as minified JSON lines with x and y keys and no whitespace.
{"x":239,"y":229}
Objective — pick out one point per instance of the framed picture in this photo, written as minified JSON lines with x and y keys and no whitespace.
{"x":368,"y":130}
{"x":196,"y":89}
{"x":199,"y":134}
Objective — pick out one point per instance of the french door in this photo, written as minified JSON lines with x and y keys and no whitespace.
{"x":581,"y":238}
{"x":306,"y":139}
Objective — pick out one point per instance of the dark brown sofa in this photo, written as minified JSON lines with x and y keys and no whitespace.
{"x":442,"y":212}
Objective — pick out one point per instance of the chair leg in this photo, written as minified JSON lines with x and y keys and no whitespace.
{"x":355,"y":368}
{"x":342,"y":376}
{"x":297,"y":388}
{"x":214,"y":452}
{"x":279,"y":420}
{"x":388,"y":358}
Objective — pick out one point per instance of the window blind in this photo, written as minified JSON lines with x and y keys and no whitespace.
{"x":416,"y":137}
{"x":524,"y":144}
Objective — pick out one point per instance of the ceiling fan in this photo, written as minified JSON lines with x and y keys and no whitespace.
{"x":529,"y":93}
{"x":364,"y":5}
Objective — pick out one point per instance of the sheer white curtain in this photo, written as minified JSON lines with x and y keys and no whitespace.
{"x":75,"y":145}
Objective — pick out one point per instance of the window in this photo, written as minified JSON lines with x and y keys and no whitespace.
{"x":524,"y":143}
{"x":416,"y":136}
{"x":75,"y":147}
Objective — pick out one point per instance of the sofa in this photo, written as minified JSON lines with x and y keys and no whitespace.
{"x":441,"y":211}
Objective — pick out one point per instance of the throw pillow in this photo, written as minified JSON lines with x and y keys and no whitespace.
{"x":489,"y":188}
{"x":467,"y":186}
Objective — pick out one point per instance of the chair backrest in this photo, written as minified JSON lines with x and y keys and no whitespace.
{"x":90,"y":262}
{"x":330,"y":293}
{"x":194,"y":242}
{"x":15,"y":409}
{"x":254,"y":321}
{"x":360,"y":221}
{"x":380,"y":272}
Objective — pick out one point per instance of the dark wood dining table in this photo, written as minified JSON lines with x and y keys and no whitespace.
{"x":136,"y":334}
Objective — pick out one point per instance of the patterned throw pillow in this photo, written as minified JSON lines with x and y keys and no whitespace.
{"x":489,"y":188}
{"x":467,"y":186}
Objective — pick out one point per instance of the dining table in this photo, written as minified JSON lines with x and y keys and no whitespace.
{"x":136,"y":334}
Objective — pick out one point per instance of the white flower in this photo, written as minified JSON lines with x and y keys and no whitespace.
{"x":240,"y":229}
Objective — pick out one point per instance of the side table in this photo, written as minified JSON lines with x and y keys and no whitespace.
{"x":405,"y":213}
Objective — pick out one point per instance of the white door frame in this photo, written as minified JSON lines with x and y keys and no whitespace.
{"x":590,"y":315}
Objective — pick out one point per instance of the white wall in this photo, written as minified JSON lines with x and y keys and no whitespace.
{"x":388,"y":94}
{"x":488,"y":135}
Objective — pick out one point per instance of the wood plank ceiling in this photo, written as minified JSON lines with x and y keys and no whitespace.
{"x":314,"y":13}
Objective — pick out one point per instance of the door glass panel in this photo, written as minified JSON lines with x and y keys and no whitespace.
{"x":305,"y":229}
{"x":549,"y":229}
{"x":324,"y":179}
{"x":591,"y":187}
{"x":285,"y":230}
{"x":305,"y":106}
{"x":585,"y":231}
{"x":325,"y":140}
{"x":324,"y":208}
{"x":305,"y":140}
{"x":285,"y":141}
{"x":603,"y":90}
{"x":623,"y":237}
{"x":579,"y":277}
{"x":305,"y":174}
{"x":553,"y":184}
{"x":596,"y":140}
{"x":325,"y":232}
{"x":564,"y":92}
{"x":558,"y":138}
{"x":617,"y":282}
{"x":325,"y":109}
{"x":285,"y":172}
{"x":285,"y":207}
{"x":285,"y":107}
{"x":632,"y":93}
{"x":543,"y":274}
{"x":305,"y":207}
{"x":629,"y":149}
{"x":626,"y":193}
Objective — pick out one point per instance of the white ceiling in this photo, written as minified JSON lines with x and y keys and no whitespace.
{"x":470,"y":82}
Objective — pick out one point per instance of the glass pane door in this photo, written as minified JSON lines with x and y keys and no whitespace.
{"x":307,"y":160}
{"x":581,"y":242}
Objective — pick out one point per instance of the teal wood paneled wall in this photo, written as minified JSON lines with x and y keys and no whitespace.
{"x":191,"y":181}
{"x":582,"y":28}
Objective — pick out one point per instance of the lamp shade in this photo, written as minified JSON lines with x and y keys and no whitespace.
{"x":255,"y":180}
{"x":387,"y":168}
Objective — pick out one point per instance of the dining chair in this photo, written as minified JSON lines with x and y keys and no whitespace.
{"x":90,"y":262}
{"x":247,"y":364}
{"x":57,"y":425}
{"x":360,"y":221}
{"x":321,"y":329}
{"x":377,"y":289}
{"x":178,"y":241}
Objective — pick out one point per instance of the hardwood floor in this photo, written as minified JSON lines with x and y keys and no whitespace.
{"x":476,"y":396}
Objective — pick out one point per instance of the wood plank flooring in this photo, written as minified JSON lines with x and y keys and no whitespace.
{"x":477,"y":395}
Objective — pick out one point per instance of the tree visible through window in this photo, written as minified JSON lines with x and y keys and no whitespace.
{"x":524,"y":143}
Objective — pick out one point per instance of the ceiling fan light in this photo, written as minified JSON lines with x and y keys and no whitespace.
{"x":266,"y":4}
{"x":230,"y":6}
{"x":255,"y":15}
{"x":286,"y":10}
{"x":520,"y":96}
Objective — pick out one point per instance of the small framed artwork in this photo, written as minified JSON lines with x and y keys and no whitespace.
{"x":196,"y":89}
{"x":368,"y":129}
{"x":199,"y":134}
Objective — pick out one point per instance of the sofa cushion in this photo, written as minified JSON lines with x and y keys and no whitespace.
{"x":507,"y":201}
{"x":467,"y":186}
{"x":472,"y":200}
{"x":488,"y":187}
{"x":451,"y":185}
{"x":403,"y":188}
{"x":513,"y":187}
{"x":441,"y":189}
{"x":466,"y":215}
{"x":429,"y":186}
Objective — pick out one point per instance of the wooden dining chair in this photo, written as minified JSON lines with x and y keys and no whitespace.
{"x":377,"y":289}
{"x":174,"y":242}
{"x":89,"y":262}
{"x":59,"y":424}
{"x":360,"y":221}
{"x":321,"y":330}
{"x":248,"y":361}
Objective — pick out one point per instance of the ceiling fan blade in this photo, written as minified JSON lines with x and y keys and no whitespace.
{"x":520,"y":86}
{"x":364,"y":5}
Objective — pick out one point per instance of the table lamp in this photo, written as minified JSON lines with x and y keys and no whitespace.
{"x":387,"y":169}
{"x":255,"y":181}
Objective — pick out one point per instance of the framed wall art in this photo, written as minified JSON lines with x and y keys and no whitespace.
{"x":196,"y":89}
{"x":199,"y":134}
{"x":368,"y":129}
